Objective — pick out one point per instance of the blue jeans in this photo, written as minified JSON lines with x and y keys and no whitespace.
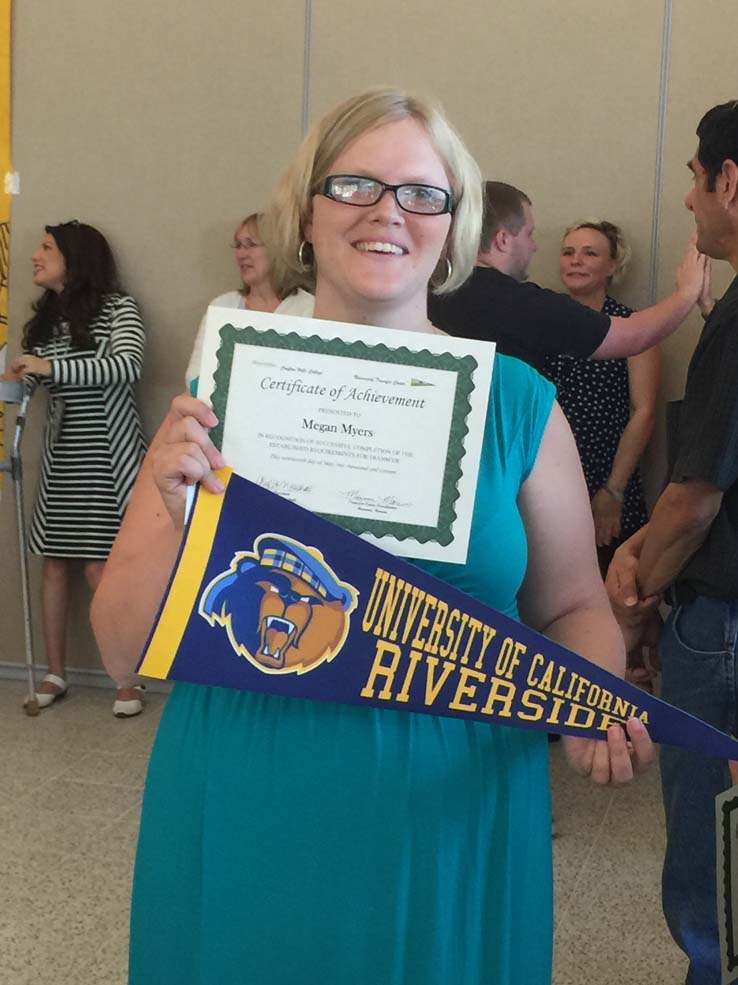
{"x":698,"y":650}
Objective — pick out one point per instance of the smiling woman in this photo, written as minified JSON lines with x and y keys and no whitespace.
{"x":380,"y":254}
{"x":609,"y":403}
{"x":84,"y":345}
{"x":49,"y":266}
{"x":428,"y":155}
{"x":259,"y":290}
{"x":313,"y":842}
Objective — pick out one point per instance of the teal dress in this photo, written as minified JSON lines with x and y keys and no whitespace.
{"x":292,"y":842}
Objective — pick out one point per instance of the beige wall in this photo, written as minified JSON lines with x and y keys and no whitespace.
{"x":701,"y":37}
{"x":539,"y":91}
{"x":162,"y":123}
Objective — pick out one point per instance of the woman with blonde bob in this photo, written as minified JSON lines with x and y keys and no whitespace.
{"x":610,"y":404}
{"x":259,"y":290}
{"x":285,"y":840}
{"x":291,"y":205}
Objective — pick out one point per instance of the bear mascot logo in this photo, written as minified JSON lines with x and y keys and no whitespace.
{"x":282,"y":606}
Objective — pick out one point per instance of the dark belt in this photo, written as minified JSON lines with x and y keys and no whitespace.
{"x":680,"y":593}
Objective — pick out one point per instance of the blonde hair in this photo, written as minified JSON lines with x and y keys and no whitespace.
{"x":291,"y":203}
{"x":620,"y":251}
{"x":252,"y":219}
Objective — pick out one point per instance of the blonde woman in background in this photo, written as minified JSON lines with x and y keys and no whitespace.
{"x":611,"y":403}
{"x":258,"y":292}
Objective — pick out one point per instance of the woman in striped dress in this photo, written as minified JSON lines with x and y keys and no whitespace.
{"x":84,"y":345}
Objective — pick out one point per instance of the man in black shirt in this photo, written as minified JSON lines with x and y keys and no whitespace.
{"x":531,"y":322}
{"x":690,"y":549}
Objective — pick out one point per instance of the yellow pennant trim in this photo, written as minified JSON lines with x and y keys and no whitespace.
{"x":182,"y":598}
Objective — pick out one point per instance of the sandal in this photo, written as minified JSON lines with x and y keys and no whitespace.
{"x":128,"y":707}
{"x":46,"y":698}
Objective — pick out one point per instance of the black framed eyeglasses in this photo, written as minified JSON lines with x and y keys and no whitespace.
{"x":356,"y":189}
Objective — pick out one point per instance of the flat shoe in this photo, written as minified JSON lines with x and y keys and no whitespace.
{"x":45,"y":699}
{"x":129,"y":708}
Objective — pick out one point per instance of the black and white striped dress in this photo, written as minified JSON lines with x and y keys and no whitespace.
{"x":93,"y":443}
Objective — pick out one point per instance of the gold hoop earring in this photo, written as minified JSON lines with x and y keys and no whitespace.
{"x":305,"y":267}
{"x":449,"y":271}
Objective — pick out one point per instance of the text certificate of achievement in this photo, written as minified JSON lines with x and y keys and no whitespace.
{"x":375,"y":429}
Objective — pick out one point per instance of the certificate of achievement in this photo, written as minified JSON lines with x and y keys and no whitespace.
{"x":377,"y":430}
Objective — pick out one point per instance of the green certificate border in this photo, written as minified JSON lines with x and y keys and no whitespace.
{"x":463,"y":366}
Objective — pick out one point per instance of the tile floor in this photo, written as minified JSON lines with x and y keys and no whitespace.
{"x":70,"y":789}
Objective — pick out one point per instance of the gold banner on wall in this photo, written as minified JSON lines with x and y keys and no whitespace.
{"x":5,"y":172}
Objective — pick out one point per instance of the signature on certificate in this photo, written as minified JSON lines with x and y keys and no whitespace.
{"x":374,"y":504}
{"x":287,"y":488}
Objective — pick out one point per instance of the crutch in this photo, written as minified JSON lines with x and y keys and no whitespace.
{"x":15,"y":392}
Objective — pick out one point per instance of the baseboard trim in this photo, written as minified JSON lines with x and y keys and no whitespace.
{"x":79,"y":677}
